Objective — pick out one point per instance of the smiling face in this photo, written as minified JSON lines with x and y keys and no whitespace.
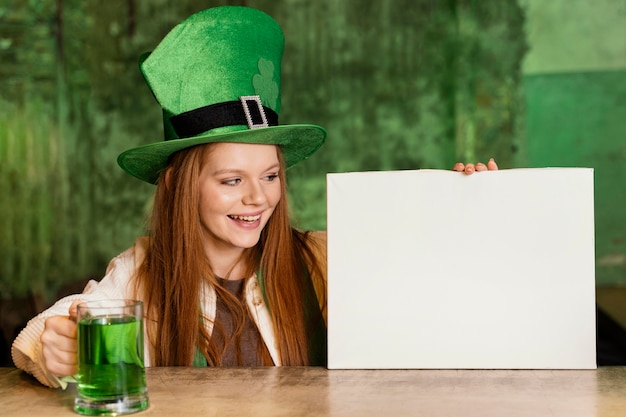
{"x":239,"y":189}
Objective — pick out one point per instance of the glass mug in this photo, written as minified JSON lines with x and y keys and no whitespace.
{"x":111,"y":377}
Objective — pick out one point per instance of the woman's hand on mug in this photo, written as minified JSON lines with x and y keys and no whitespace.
{"x":469,"y":169}
{"x":59,"y":345}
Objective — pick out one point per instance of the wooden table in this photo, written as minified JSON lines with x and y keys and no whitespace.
{"x":292,"y":392}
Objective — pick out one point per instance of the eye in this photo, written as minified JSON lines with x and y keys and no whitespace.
{"x":231,"y":182}
{"x":271,"y":177}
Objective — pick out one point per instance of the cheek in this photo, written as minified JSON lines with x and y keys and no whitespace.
{"x":213,"y":202}
{"x":274,"y":196}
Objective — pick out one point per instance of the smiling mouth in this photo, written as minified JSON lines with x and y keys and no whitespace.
{"x":248,"y":219}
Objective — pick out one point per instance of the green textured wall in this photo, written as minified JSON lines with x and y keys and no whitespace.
{"x":574,"y":35}
{"x":575,"y":92}
{"x":579,"y":119}
{"x":399,"y":84}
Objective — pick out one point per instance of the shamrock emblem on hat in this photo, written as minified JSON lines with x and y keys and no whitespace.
{"x":264,"y":83}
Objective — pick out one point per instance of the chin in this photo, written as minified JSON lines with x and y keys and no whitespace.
{"x":247,"y":243}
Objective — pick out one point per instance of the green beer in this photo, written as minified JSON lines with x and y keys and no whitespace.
{"x":111,"y":377}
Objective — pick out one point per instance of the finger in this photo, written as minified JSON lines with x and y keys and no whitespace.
{"x":61,"y":370}
{"x":481,"y":167}
{"x":469,"y":169}
{"x":73,"y":309}
{"x":59,"y":351}
{"x":53,"y":342}
{"x":491,"y":165}
{"x":60,"y":363}
{"x":58,"y":326}
{"x":60,"y":357}
{"x":459,"y":167}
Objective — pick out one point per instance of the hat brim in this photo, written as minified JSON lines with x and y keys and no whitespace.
{"x":297,"y":143}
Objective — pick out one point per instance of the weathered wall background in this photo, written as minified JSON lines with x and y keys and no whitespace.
{"x":399,"y":84}
{"x":575,"y":93}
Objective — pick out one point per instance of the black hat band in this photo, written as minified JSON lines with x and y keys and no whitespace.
{"x":246,"y":111}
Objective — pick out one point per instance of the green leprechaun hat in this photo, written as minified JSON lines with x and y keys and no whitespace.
{"x":216,"y":76}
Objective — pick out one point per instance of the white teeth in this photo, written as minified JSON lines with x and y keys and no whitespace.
{"x":246,"y":218}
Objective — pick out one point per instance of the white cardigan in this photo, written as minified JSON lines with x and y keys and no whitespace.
{"x":26,"y":350}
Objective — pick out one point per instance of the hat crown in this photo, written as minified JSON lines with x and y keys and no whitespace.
{"x":216,"y":55}
{"x":217,"y":76}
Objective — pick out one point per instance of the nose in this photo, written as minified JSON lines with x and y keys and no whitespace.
{"x":255,"y":194}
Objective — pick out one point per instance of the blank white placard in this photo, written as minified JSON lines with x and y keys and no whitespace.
{"x":434,"y":269}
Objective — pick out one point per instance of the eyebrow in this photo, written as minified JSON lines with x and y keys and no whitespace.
{"x":238,"y":171}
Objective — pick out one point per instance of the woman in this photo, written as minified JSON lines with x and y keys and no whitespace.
{"x":225,"y":279}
